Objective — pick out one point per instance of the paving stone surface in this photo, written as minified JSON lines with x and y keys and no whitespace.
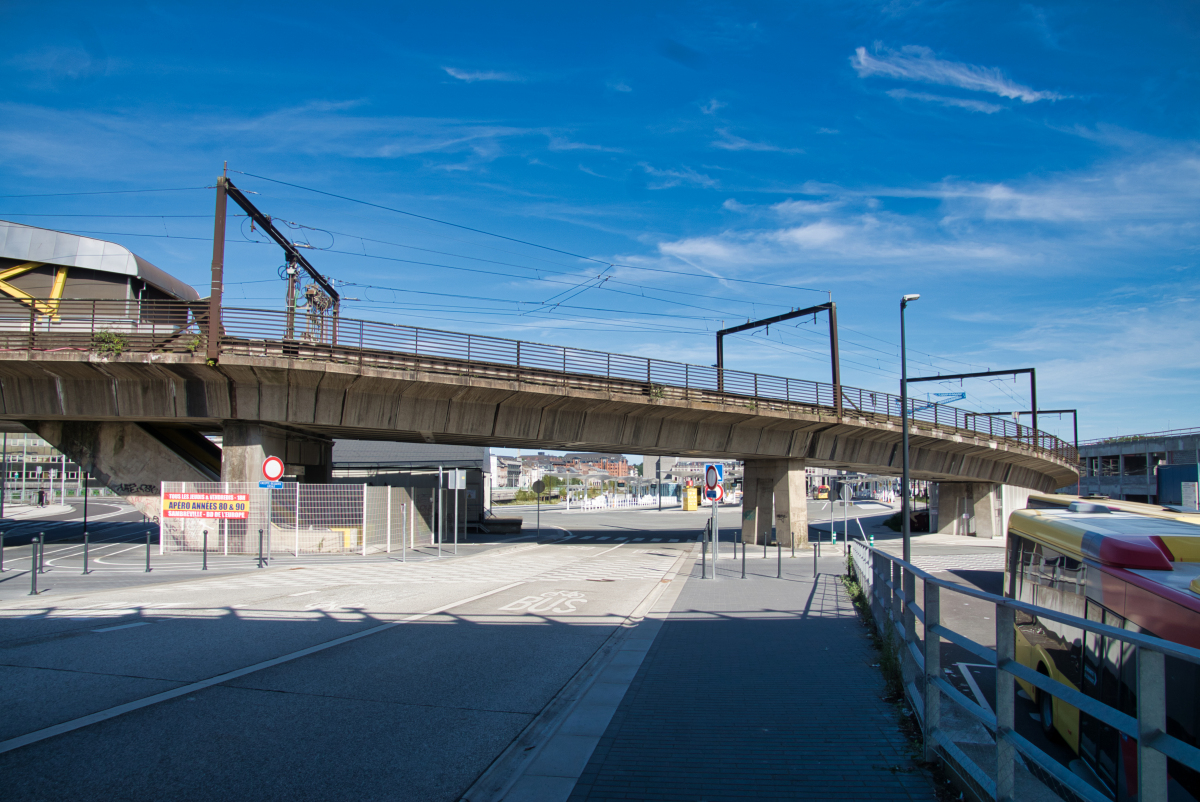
{"x":760,"y":688}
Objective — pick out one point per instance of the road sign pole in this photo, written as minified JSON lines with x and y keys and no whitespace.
{"x":203,"y":558}
{"x":715,"y":537}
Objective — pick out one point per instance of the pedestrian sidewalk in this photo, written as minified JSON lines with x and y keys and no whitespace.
{"x":24,"y":512}
{"x":762,"y":688}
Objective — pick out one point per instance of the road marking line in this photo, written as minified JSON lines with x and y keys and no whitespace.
{"x":305,"y":593}
{"x":975,"y":689}
{"x":113,"y":712}
{"x":123,"y":626}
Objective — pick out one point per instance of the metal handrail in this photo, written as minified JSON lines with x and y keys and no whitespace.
{"x":890,"y":584}
{"x":156,"y":326}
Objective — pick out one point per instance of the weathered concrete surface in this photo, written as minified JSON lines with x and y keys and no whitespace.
{"x":444,"y":401}
{"x":122,"y":455}
{"x":244,"y":447}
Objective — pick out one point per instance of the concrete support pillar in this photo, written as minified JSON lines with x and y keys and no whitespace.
{"x":758,"y":496}
{"x":244,"y":446}
{"x":124,"y":457}
{"x":970,"y":509}
{"x":791,"y":503}
{"x":750,"y":500}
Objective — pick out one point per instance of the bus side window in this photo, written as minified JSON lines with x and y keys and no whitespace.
{"x":1183,"y":717}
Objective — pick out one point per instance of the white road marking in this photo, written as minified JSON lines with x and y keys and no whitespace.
{"x":975,"y":689}
{"x":113,"y":712}
{"x":305,"y":593}
{"x":123,"y":626}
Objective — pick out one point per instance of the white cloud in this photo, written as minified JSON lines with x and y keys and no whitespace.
{"x":620,"y":86}
{"x":675,"y":178}
{"x":913,"y":63}
{"x":471,"y":76}
{"x":712,"y":106}
{"x":729,"y":141}
{"x":958,"y":102}
{"x":798,"y":208}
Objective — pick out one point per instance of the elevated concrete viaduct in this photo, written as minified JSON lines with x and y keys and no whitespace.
{"x":134,"y":418}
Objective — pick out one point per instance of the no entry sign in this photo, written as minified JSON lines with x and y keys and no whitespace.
{"x":272,"y":469}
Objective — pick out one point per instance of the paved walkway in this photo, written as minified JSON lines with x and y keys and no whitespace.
{"x":756,"y":689}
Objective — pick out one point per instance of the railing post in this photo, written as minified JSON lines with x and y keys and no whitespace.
{"x":1152,"y":720}
{"x":897,"y":611}
{"x":933,"y":668}
{"x":360,"y":343}
{"x":33,"y":325}
{"x":1006,"y":698}
{"x":877,"y":586}
{"x":909,"y":584}
{"x":468,"y":347}
{"x":756,"y":385}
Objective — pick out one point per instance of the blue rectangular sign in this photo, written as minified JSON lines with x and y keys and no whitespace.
{"x":271,"y":485}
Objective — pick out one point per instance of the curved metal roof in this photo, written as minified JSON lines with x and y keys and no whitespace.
{"x":31,"y":244}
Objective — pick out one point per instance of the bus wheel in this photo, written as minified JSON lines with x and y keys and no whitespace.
{"x":1046,"y":707}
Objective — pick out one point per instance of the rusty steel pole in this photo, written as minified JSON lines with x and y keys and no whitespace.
{"x":218,"y":274}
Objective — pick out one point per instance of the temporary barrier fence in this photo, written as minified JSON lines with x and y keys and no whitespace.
{"x":890,"y":585}
{"x":300,"y":519}
{"x":622,"y":502}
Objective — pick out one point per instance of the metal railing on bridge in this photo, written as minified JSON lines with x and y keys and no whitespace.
{"x":114,"y":327}
{"x":890,"y":586}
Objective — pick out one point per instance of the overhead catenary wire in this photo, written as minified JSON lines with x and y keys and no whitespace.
{"x":525,"y":242}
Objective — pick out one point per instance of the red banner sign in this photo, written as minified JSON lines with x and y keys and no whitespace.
{"x":206,"y":505}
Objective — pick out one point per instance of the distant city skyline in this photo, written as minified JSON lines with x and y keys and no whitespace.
{"x":1033,"y":171}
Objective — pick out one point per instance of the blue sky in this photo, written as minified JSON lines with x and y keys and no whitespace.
{"x":1031,"y":170}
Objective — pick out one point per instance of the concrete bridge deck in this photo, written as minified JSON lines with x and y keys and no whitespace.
{"x":94,"y":380}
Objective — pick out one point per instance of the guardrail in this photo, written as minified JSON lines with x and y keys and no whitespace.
{"x":157,"y":326}
{"x":890,"y":585}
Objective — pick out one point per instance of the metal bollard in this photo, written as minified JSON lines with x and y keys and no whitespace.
{"x":147,"y":551}
{"x":704,"y":558}
{"x":85,"y":552}
{"x":33,"y":567}
{"x":743,"y":559}
{"x":41,"y":563}
{"x":779,"y":557}
{"x":260,"y":559}
{"x":204,"y":556}
{"x":1,"y":551}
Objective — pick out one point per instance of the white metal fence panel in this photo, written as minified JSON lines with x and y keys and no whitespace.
{"x":301,"y":519}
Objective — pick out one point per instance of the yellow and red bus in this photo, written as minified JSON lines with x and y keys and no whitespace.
{"x":1097,"y":560}
{"x":821,"y":492}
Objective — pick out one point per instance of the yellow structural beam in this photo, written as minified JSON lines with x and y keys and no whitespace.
{"x":56,"y":290}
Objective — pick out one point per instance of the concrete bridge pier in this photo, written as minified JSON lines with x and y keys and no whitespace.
{"x":773,"y":495}
{"x":245,"y":445}
{"x":131,"y":459}
{"x":969,"y":509}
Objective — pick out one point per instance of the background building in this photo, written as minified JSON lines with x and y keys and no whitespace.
{"x":1127,"y":467}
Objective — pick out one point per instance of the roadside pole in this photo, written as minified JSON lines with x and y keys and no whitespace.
{"x":715,"y":537}
{"x":538,"y":487}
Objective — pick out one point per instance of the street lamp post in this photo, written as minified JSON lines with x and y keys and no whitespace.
{"x":905,"y":526}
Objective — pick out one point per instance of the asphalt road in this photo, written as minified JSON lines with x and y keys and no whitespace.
{"x":365,"y":680}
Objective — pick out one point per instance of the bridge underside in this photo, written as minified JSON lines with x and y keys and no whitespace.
{"x":308,"y":401}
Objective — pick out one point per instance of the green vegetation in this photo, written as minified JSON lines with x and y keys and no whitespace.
{"x":109,"y":342}
{"x":889,"y":655}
